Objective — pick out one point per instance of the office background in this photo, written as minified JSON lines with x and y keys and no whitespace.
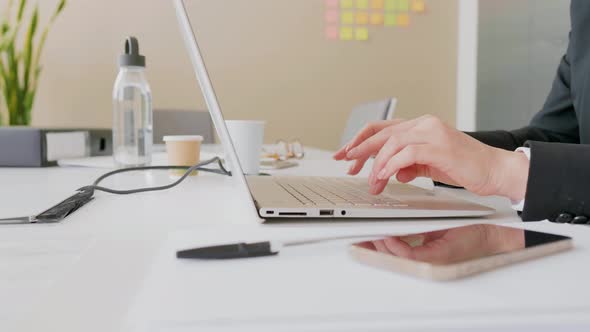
{"x":269,"y":59}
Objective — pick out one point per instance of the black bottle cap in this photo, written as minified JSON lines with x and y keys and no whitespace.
{"x":131,"y":56}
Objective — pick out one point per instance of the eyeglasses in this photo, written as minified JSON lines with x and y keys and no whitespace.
{"x":283,"y":150}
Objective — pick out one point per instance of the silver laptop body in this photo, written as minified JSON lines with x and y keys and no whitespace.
{"x":275,"y":197}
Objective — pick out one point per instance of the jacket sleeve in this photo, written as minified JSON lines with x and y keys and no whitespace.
{"x":558,"y":180}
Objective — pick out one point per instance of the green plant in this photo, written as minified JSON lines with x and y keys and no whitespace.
{"x":19,"y":67}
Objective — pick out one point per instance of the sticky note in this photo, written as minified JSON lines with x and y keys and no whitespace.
{"x":390,"y":5}
{"x":346,"y":33}
{"x":346,"y":4}
{"x":332,"y":32}
{"x":376,"y":19}
{"x":403,"y":5}
{"x":332,"y":4}
{"x":347,"y":18}
{"x":377,"y":4}
{"x":362,"y":18}
{"x":332,"y":16}
{"x":362,"y":4}
{"x":403,"y":20}
{"x":418,"y":6}
{"x":361,"y":33}
{"x":390,"y":19}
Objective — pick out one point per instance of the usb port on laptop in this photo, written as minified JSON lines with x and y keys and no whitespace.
{"x":326,"y":212}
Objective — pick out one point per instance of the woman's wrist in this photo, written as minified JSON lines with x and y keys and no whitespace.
{"x":512,"y":173}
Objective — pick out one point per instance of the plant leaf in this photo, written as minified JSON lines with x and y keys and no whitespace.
{"x":28,"y":48}
{"x":60,"y":6}
{"x":21,"y":9}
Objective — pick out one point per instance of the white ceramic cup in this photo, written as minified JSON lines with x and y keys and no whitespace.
{"x":247,"y":137}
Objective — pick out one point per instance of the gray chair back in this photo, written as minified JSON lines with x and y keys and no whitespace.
{"x":177,"y":122}
{"x":365,"y":113}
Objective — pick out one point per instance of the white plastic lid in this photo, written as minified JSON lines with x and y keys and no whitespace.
{"x":183,"y":138}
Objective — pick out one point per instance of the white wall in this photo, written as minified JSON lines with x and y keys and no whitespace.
{"x":268,"y":60}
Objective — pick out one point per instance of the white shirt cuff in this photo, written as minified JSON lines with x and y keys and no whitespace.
{"x":519,"y":206}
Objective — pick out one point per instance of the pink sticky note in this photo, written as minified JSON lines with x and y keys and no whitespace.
{"x":332,"y":32}
{"x":332,"y":16}
{"x":332,"y":4}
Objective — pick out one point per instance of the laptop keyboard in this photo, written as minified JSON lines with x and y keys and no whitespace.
{"x":341,"y":192}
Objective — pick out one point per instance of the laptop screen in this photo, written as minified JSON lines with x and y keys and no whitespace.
{"x":194,"y":52}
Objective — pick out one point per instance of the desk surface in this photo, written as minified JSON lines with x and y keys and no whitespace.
{"x":84,"y":273}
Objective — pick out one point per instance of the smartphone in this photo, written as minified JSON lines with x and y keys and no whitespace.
{"x":457,"y":252}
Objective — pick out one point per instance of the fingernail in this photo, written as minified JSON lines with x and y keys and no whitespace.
{"x":382,"y":175}
{"x":351,"y":153}
{"x":347,"y":147}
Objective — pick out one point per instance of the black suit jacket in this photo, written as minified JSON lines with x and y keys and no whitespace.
{"x":559,"y":135}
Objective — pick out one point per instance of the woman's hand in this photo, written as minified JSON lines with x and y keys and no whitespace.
{"x":452,"y":245}
{"x":427,"y":147}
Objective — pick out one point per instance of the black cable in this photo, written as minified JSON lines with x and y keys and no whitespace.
{"x":222,"y":170}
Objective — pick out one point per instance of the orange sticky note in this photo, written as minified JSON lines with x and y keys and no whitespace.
{"x":390,"y":5}
{"x":403,"y":20}
{"x":403,"y":5}
{"x":332,"y":16}
{"x":346,"y":33}
{"x":332,"y":4}
{"x":347,"y":18}
{"x":362,"y":4}
{"x":346,"y":4}
{"x":390,"y":20}
{"x":376,"y":19}
{"x":377,"y":4}
{"x":332,"y":32}
{"x":361,"y":33}
{"x":362,"y":18}
{"x":418,"y":6}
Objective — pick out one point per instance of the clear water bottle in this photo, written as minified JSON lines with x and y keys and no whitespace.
{"x":132,"y":110}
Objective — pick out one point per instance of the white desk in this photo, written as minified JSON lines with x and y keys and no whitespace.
{"x":83,"y":274}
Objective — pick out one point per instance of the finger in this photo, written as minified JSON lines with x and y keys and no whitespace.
{"x":423,"y":154}
{"x":380,"y":246}
{"x":368,"y":131}
{"x":407,"y":174}
{"x":373,"y":144}
{"x":394,"y":145}
{"x":377,"y":187}
{"x":437,"y":251}
{"x":398,"y":247}
{"x":357,"y":166}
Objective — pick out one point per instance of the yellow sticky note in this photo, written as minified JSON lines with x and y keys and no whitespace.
{"x":362,"y":4}
{"x":390,"y":19}
{"x":361,"y":33}
{"x":390,"y":5}
{"x":377,"y":4}
{"x":346,"y":33}
{"x":362,"y":18}
{"x":347,"y":18}
{"x":403,"y":20}
{"x":418,"y":6}
{"x":376,"y":19}
{"x":403,"y":5}
{"x":346,"y":4}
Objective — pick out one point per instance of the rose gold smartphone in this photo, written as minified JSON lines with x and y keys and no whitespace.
{"x":457,"y":252}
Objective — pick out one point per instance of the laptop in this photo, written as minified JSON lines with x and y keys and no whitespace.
{"x":285,"y":198}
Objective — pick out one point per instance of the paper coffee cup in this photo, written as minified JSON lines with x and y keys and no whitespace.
{"x":183,"y":151}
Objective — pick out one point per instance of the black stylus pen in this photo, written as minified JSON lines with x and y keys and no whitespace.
{"x":255,"y":249}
